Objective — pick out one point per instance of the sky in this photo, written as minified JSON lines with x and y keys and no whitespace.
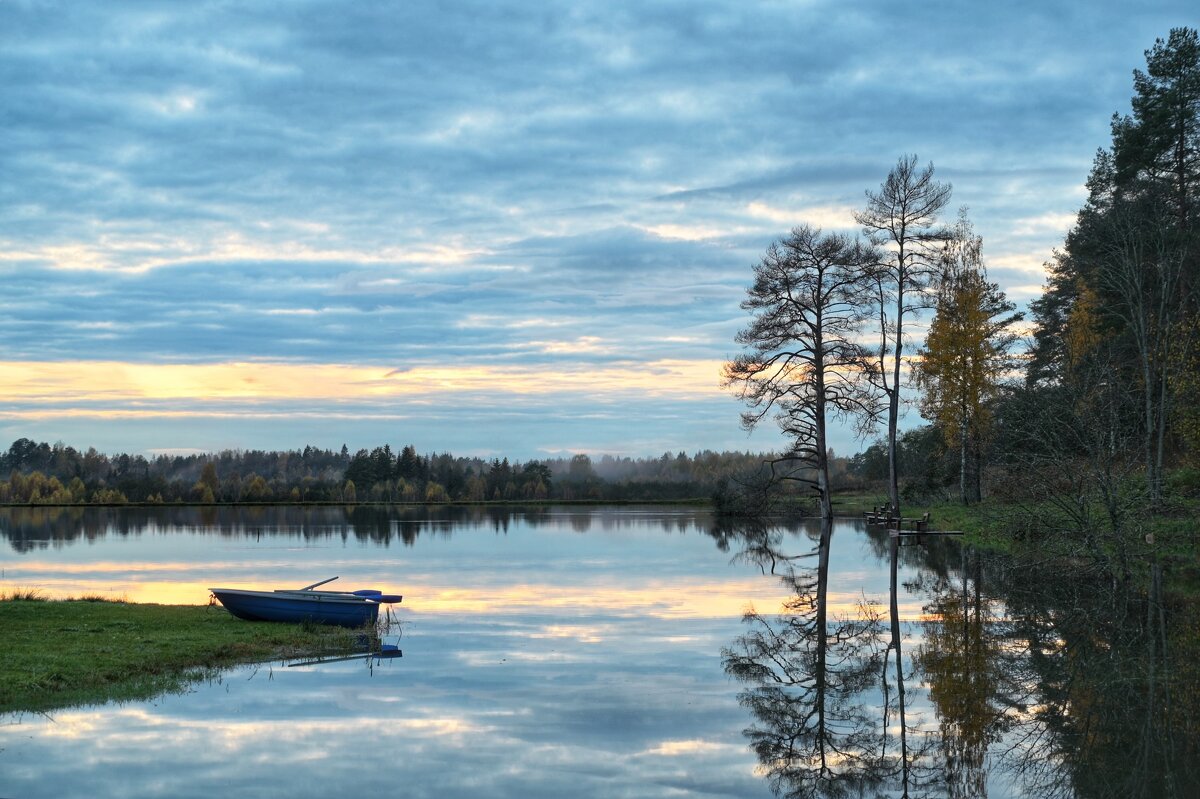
{"x":488,"y":228}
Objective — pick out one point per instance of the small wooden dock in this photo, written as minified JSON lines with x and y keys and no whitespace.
{"x":884,"y":517}
{"x":919,"y":533}
{"x":902,"y":526}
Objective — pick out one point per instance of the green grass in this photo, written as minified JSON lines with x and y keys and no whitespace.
{"x":81,"y":652}
{"x":856,"y":503}
{"x":982,"y":522}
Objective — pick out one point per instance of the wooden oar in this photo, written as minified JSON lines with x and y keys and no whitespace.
{"x":314,"y":585}
{"x":385,"y":654}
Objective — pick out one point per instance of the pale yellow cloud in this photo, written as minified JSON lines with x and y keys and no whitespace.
{"x":688,"y":747}
{"x":127,"y":253}
{"x":1031,"y":263}
{"x":1049,"y":222}
{"x":824,"y":216}
{"x":114,"y":387}
{"x":581,"y":344}
{"x":235,"y":736}
{"x":689,"y":232}
{"x":495,"y":321}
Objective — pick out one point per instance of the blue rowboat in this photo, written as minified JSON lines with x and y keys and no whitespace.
{"x":343,"y":608}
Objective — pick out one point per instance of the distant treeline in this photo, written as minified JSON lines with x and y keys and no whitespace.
{"x":41,"y":473}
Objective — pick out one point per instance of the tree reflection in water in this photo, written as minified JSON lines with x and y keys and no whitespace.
{"x":1030,"y":681}
{"x":1116,"y":710}
{"x":970,"y":672}
{"x":810,"y":680}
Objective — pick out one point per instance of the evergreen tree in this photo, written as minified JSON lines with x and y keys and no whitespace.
{"x":1124,"y":293}
{"x":1160,"y":143}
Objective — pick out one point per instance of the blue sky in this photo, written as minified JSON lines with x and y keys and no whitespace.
{"x":490,"y":227}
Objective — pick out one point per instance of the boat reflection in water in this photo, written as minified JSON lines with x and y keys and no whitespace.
{"x":1022,"y":680}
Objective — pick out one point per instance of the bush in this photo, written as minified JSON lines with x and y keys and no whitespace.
{"x":1184,"y":482}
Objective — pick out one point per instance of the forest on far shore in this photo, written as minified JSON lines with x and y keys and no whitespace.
{"x":56,"y":474}
{"x":41,"y":473}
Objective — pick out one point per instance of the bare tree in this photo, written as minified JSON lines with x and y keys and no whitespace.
{"x":902,"y":216}
{"x":802,"y":362}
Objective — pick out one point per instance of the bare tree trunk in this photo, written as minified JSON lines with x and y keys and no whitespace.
{"x":821,"y":628}
{"x":802,"y":356}
{"x":978,"y":453}
{"x":894,"y":398}
{"x":899,"y":660}
{"x":822,"y":451}
{"x":962,"y":461}
{"x":904,"y":213}
{"x":1148,"y":402}
{"x":1160,"y":444}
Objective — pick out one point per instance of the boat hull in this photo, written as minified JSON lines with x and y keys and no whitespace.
{"x":319,"y":608}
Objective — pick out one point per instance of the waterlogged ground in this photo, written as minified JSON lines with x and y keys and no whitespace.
{"x":604,"y":652}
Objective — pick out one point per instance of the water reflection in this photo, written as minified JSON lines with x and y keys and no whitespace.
{"x":370,"y":657}
{"x":586,"y":651}
{"x":968,"y":667}
{"x":470,"y":559}
{"x":1024,"y":679}
{"x":809,"y":678}
{"x":1116,"y":688}
{"x":581,"y":665}
{"x":28,"y":529}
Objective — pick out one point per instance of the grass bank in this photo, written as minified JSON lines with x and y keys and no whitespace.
{"x":79,"y":652}
{"x":1168,"y":537}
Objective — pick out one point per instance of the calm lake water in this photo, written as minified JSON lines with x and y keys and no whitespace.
{"x":632,"y":651}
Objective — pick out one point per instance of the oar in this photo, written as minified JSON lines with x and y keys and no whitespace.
{"x":386,"y":654}
{"x":314,"y":585}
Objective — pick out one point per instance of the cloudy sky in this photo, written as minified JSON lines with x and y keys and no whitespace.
{"x":519,"y":228}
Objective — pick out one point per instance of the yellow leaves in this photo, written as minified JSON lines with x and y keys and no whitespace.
{"x":1082,"y":334}
{"x":964,"y":354}
{"x":1185,"y":384}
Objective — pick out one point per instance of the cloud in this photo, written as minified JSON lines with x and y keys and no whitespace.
{"x":1049,"y":222}
{"x":383,"y":184}
{"x":56,"y":383}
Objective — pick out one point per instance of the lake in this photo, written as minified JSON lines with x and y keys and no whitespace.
{"x":622,"y":651}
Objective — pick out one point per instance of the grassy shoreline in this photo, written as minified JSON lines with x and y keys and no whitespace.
{"x":1018,"y":529}
{"x":63,"y":653}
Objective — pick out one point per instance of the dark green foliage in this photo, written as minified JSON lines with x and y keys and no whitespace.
{"x":1116,"y":328}
{"x":1160,"y":143}
{"x":926,"y":467}
{"x":44,"y":474}
{"x":1051,"y":312}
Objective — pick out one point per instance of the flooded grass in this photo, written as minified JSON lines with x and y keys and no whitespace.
{"x":87,"y":651}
